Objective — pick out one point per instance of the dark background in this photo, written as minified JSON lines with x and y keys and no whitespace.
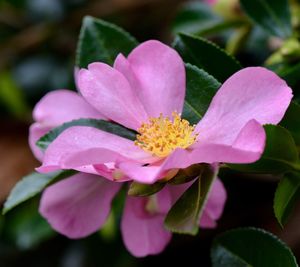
{"x":37,"y":50}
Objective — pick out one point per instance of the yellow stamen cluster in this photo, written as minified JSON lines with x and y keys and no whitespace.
{"x":160,"y":136}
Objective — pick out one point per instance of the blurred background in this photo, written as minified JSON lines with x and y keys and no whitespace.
{"x":37,"y":51}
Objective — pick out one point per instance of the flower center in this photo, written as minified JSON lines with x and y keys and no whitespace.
{"x":160,"y":136}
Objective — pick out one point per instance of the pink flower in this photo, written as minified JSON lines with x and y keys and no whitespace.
{"x":142,"y":92}
{"x":142,"y":225}
{"x":78,"y":206}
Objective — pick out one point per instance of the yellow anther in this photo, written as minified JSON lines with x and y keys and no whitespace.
{"x":160,"y":136}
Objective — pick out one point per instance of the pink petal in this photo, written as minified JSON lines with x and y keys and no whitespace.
{"x":122,"y":65}
{"x":206,"y":221}
{"x":79,"y":146}
{"x":248,"y":147}
{"x":36,"y":131}
{"x":140,"y":173}
{"x":108,"y":91}
{"x":53,"y":110}
{"x":252,"y":93}
{"x":214,"y":206}
{"x":144,"y":233}
{"x":157,"y":73}
{"x":61,"y":106}
{"x":78,"y":206}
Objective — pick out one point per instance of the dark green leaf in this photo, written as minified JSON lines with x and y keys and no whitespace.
{"x":187,"y":175}
{"x":272,"y":15}
{"x":201,"y":87}
{"x":290,"y":74}
{"x":207,"y":56}
{"x":219,"y":27}
{"x":250,"y":247}
{"x":101,"y":41}
{"x":106,"y":126}
{"x":184,"y":216}
{"x":280,"y":154}
{"x":288,"y":191}
{"x":25,"y":227}
{"x":291,"y":121}
{"x":30,"y":186}
{"x":142,"y":190}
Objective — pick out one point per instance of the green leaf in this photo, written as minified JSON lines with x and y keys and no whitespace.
{"x":290,"y":74}
{"x":272,"y":15}
{"x":248,"y":247}
{"x":201,"y":88}
{"x":291,"y":121}
{"x":220,"y":27}
{"x":186,"y":175}
{"x":30,"y":186}
{"x":207,"y":56}
{"x":194,"y":17}
{"x":287,"y":192}
{"x":280,"y":153}
{"x":142,"y":190}
{"x":106,"y":126}
{"x":184,"y":216}
{"x":101,"y":41}
{"x":25,"y":227}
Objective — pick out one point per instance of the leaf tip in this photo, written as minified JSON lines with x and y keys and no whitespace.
{"x":87,"y":20}
{"x":4,"y":210}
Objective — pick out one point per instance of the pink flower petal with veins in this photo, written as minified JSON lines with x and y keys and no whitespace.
{"x":78,"y":206}
{"x":80,"y":146}
{"x":54,"y":109}
{"x":107,"y":89}
{"x":160,"y":75}
{"x":143,"y":232}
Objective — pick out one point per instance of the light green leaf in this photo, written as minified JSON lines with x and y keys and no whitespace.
{"x":101,"y":41}
{"x":185,"y":215}
{"x":201,"y":88}
{"x":30,"y":186}
{"x":207,"y":56}
{"x":287,"y":192}
{"x":250,"y":247}
{"x":106,"y":126}
{"x":272,"y":15}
